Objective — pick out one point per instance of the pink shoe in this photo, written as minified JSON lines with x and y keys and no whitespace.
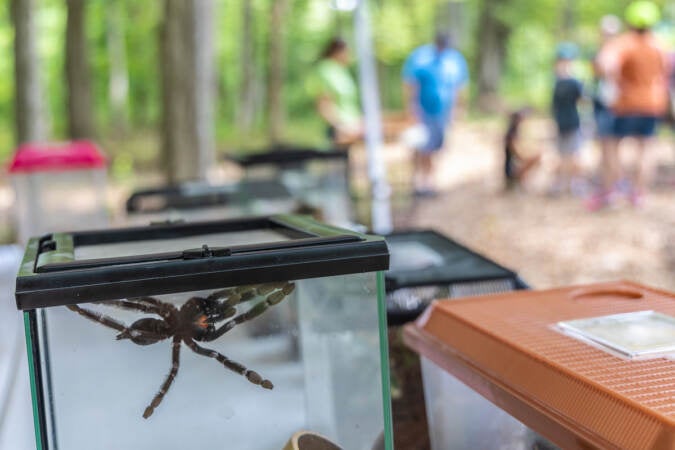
{"x":636,"y":199}
{"x":598,"y":201}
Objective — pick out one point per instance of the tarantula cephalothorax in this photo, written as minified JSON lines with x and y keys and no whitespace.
{"x":196,"y":320}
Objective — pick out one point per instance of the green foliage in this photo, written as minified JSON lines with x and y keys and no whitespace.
{"x":50,"y":22}
{"x":398,"y":27}
{"x":6,"y":88}
{"x":529,"y":71}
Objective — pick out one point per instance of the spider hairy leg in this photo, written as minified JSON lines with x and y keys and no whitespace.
{"x":163,"y":309}
{"x":284,"y":289}
{"x":232,"y":300}
{"x":146,"y":331}
{"x":98,"y":317}
{"x":265,"y":289}
{"x":271,"y":300}
{"x":221,"y":294}
{"x":246,"y":292}
{"x":251,"y":375}
{"x":147,"y":300}
{"x":132,"y":306}
{"x":175,"y":364}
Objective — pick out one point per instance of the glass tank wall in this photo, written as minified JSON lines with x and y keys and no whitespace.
{"x":232,"y":365}
{"x":196,"y":201}
{"x":319,"y":179}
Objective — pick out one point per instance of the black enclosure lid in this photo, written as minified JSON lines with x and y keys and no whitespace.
{"x":202,"y":195}
{"x":58,"y":269}
{"x":425,"y":257}
{"x":288,"y":156}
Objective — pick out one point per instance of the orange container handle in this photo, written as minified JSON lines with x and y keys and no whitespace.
{"x":613,"y":292}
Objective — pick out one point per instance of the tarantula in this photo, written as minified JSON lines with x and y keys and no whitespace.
{"x":196,"y":320}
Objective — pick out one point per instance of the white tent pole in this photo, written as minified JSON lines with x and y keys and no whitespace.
{"x":370,"y":100}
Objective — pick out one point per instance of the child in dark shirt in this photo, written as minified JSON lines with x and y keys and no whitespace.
{"x":567,"y":93}
{"x":516,"y":164}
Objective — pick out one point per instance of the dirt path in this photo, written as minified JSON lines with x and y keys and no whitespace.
{"x":550,"y":241}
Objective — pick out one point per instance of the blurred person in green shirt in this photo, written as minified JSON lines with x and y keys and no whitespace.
{"x":334,"y":91}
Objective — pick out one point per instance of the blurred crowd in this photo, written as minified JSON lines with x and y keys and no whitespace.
{"x":631,"y":94}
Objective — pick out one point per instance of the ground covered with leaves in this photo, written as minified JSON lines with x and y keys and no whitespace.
{"x":550,"y":241}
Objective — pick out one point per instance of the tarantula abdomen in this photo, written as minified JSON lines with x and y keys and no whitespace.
{"x":146,"y":331}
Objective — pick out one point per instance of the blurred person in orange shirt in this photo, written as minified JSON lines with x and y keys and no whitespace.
{"x":639,"y":69}
{"x":603,"y":93}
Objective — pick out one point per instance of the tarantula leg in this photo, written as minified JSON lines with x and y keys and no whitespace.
{"x":158,"y":307}
{"x":271,"y":300}
{"x":131,"y":305}
{"x":232,"y":300}
{"x":98,"y":317}
{"x":264,"y":289}
{"x":236,"y":295}
{"x":149,"y":300}
{"x":221,"y":294}
{"x":277,"y":296}
{"x":251,"y":375}
{"x":175,"y":364}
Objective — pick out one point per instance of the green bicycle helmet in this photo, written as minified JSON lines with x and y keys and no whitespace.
{"x":642,"y":14}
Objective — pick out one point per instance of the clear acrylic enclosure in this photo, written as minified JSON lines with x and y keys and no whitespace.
{"x":198,"y":201}
{"x":317,"y":178}
{"x":39,"y":205}
{"x":425,"y":266}
{"x":461,"y":419}
{"x":460,"y":415}
{"x":43,"y":175}
{"x":230,"y":334}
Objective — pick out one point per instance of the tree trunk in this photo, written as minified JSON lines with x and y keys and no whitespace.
{"x":29,"y":119}
{"x":118,"y":79}
{"x":493,"y":34}
{"x":275,"y":77}
{"x":247,"y":94}
{"x":187,"y":89}
{"x":451,"y":19}
{"x":569,"y":19}
{"x":78,"y":80}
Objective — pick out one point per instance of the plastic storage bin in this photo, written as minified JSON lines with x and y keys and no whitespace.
{"x":194,"y":201}
{"x":510,"y":350}
{"x":317,"y":178}
{"x":112,"y":316}
{"x":58,"y":187}
{"x":426,"y":265}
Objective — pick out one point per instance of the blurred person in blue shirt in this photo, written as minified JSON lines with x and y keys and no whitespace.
{"x":433,"y":74}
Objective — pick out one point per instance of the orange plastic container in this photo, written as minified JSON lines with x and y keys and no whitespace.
{"x":506,"y":348}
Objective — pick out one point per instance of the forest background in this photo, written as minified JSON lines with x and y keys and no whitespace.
{"x":97,"y":67}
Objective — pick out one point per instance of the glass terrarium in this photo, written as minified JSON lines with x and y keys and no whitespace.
{"x":426,"y":265}
{"x":147,"y":337}
{"x":317,"y":178}
{"x":43,"y":175}
{"x":194,"y":201}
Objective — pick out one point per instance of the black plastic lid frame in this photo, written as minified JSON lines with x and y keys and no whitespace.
{"x":190,"y":196}
{"x":452,"y":270}
{"x":288,"y":156}
{"x":179,"y":197}
{"x":50,"y":275}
